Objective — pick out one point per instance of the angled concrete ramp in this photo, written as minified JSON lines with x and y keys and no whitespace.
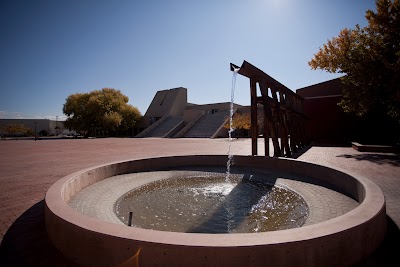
{"x":207,"y":125}
{"x":167,"y":128}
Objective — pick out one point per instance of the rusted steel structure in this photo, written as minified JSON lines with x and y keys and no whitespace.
{"x":282,"y":109}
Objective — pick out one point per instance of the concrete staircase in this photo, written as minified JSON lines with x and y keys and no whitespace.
{"x":167,"y":128}
{"x":207,"y":125}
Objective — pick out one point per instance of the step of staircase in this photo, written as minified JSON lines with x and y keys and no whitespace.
{"x":165,"y":127}
{"x":207,"y":125}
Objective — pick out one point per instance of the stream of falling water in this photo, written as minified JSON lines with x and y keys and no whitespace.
{"x":231,"y":128}
{"x":228,"y":206}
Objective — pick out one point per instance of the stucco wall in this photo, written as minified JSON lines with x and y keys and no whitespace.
{"x":171,"y":101}
{"x":326,"y":120}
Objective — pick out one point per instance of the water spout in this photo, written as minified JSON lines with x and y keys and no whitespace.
{"x":235,"y":68}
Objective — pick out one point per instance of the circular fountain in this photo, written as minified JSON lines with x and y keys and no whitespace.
{"x":322,"y":240}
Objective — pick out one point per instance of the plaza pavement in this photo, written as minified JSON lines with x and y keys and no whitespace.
{"x":28,"y":168}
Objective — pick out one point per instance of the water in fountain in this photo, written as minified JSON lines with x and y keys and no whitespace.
{"x":198,"y":204}
{"x":231,"y":129}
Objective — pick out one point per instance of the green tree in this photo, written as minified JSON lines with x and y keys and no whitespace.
{"x":14,"y":129}
{"x":370,"y":59}
{"x":105,"y":110}
{"x":130,"y":116}
{"x":43,"y":133}
{"x":57,"y":130}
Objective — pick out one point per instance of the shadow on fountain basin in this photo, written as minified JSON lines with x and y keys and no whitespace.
{"x":233,"y":210}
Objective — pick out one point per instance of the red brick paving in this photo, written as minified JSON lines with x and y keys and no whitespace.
{"x":28,"y":168}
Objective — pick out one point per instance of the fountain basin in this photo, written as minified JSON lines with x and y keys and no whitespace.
{"x":206,"y":202}
{"x":341,"y":241}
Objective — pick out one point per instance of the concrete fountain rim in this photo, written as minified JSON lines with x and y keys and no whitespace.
{"x":372,"y":204}
{"x":343,"y":240}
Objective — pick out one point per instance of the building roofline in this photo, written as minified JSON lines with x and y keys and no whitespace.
{"x":320,"y":83}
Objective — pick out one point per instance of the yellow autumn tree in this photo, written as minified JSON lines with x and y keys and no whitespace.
{"x":106,"y":110}
{"x":369,"y":58}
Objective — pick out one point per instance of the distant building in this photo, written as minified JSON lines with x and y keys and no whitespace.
{"x":38,"y":125}
{"x":170,"y":115}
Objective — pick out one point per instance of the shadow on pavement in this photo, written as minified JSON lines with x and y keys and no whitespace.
{"x":300,"y":152}
{"x":387,"y":253}
{"x":26,"y":242}
{"x":393,"y":160}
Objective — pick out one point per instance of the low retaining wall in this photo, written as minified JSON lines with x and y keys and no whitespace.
{"x":375,"y":148}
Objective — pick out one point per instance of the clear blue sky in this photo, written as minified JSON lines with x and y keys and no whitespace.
{"x":51,"y":49}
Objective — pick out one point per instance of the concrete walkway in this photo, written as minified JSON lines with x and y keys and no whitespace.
{"x":28,"y":168}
